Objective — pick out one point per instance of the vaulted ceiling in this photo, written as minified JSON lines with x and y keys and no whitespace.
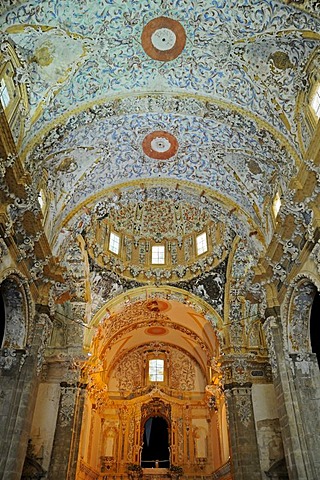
{"x":185,"y":110}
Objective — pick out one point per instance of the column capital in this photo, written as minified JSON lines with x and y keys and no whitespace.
{"x":242,"y":369}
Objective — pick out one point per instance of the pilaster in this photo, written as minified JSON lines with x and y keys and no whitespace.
{"x":299,"y":463}
{"x":67,"y":434}
{"x":240,"y":371}
{"x":306,"y":380}
{"x":19,"y":383}
{"x":245,"y":455}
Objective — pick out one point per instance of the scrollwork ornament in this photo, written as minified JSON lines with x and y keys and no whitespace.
{"x":315,"y":256}
{"x":239,"y":370}
{"x":8,"y":358}
{"x":268,"y":326}
{"x":45,"y":323}
{"x":67,"y":405}
{"x":302,"y":362}
{"x":243,"y":404}
{"x":2,"y":169}
{"x":3,"y":249}
{"x":8,"y":161}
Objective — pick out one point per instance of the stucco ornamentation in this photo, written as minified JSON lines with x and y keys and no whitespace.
{"x":43,"y":331}
{"x":302,"y":362}
{"x":16,"y":315}
{"x":67,"y":405}
{"x":268,"y":326}
{"x":182,"y":371}
{"x":243,"y":404}
{"x":298,"y":326}
{"x":8,"y":358}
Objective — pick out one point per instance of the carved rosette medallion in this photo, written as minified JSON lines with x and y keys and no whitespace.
{"x":160,"y":145}
{"x":163,"y":39}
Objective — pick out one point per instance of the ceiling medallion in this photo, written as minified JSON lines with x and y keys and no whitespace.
{"x":160,"y":145}
{"x":156,"y":331}
{"x":156,"y":305}
{"x":163,"y":39}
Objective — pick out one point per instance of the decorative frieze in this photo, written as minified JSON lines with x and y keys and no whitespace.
{"x":241,"y":369}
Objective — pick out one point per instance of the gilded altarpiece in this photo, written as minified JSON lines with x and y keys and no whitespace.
{"x":119,"y":415}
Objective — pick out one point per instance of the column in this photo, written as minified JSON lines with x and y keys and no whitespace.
{"x":243,"y":439}
{"x":67,"y":435}
{"x":293,"y":436}
{"x":19,"y":383}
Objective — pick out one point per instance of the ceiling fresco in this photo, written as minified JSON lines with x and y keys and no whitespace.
{"x":249,"y":53}
{"x":187,"y":108}
{"x":218,"y":149}
{"x":220,"y":77}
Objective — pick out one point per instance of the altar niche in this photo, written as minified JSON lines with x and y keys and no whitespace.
{"x":155,"y":451}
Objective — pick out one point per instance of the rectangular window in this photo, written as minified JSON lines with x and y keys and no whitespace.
{"x":114,"y":243}
{"x":276,"y":204}
{"x":158,"y":254}
{"x":202,"y":243}
{"x":315,"y":102}
{"x":4,"y":94}
{"x":41,"y":200}
{"x":156,"y":370}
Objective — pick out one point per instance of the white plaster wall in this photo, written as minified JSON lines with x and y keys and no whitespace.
{"x":264,"y":402}
{"x":200,"y":381}
{"x":267,"y":426}
{"x":44,"y":421}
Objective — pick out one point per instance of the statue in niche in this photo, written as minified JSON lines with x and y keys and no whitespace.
{"x":200,"y":442}
{"x":15,"y":316}
{"x":59,"y":334}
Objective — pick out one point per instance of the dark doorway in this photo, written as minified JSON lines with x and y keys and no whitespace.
{"x":155,"y":450}
{"x":2,"y":318}
{"x":315,"y":326}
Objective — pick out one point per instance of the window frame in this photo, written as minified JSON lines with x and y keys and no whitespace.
{"x":155,"y":255}
{"x":5,"y":97}
{"x":112,"y":242}
{"x":162,"y":369}
{"x":315,"y":95}
{"x":200,"y":250}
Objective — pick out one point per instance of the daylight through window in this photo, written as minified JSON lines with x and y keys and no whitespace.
{"x":4,"y":94}
{"x":156,"y":370}
{"x":114,"y":243}
{"x":315,"y":102}
{"x":202,"y":243}
{"x":158,"y":254}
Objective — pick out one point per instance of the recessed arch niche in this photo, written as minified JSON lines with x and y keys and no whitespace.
{"x":14,"y":307}
{"x":300,"y":315}
{"x":139,"y":325}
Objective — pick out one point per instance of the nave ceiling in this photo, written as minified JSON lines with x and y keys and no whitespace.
{"x":159,"y":120}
